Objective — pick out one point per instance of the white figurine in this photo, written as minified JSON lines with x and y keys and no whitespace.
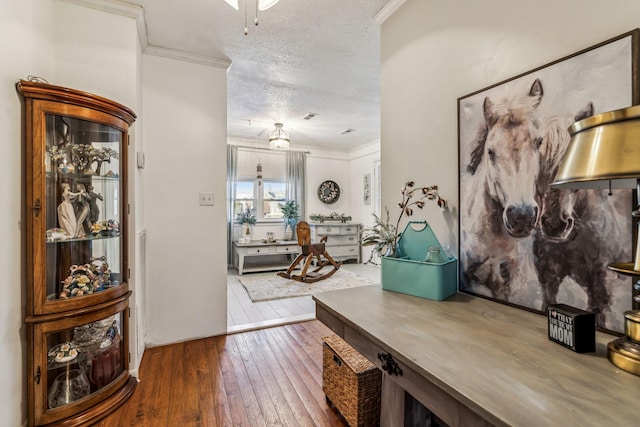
{"x":66,"y":213}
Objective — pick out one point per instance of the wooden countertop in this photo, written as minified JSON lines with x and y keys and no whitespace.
{"x":494,"y":359}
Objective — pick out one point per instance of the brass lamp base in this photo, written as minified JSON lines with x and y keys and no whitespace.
{"x":625,"y":354}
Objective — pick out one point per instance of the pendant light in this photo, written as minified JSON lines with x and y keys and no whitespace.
{"x":258,"y":166}
{"x":279,"y":139}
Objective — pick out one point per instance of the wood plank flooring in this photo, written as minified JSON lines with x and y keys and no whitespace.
{"x":267,"y":377}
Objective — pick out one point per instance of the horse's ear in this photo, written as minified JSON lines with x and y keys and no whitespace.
{"x":536,"y":92}
{"x":488,"y":114}
{"x":587,"y":111}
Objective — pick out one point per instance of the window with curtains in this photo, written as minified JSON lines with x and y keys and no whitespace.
{"x":283,"y":178}
{"x":261,"y":196}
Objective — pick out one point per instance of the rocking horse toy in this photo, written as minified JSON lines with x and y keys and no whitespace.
{"x":309,"y":252}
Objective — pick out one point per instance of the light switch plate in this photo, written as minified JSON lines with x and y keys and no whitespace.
{"x":140,"y":159}
{"x":206,"y":199}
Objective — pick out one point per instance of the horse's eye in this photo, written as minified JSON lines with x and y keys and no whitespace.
{"x":538,"y":142}
{"x":492,"y":154}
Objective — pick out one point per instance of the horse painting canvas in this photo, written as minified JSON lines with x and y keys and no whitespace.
{"x":522,"y":242}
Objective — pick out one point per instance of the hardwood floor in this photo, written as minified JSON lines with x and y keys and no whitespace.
{"x":252,"y":377}
{"x":265,"y":377}
{"x":244,"y":315}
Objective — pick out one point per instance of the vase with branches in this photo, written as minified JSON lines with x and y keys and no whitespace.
{"x":383,"y":236}
{"x":246,"y":218}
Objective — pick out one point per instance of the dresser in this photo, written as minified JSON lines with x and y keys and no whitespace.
{"x":343,"y":240}
{"x":474,"y":362}
{"x":260,"y":256}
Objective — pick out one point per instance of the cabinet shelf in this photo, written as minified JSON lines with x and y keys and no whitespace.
{"x":81,"y":239}
{"x":82,"y":176}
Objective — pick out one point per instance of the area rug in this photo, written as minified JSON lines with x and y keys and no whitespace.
{"x":269,"y":286}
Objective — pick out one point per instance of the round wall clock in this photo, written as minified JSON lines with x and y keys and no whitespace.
{"x":328,"y":192}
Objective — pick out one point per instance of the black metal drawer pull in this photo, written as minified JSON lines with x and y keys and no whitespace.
{"x":389,"y":365}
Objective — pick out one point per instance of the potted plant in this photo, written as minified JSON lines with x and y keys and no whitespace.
{"x":384,"y":235}
{"x":291,"y":214}
{"x":246,"y":218}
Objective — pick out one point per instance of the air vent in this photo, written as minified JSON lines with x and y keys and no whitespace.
{"x":346,"y":131}
{"x":310,"y":116}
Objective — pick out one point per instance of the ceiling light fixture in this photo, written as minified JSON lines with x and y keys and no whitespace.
{"x":259,"y":165}
{"x":261,"y":5}
{"x":279,"y":139}
{"x":346,"y":131}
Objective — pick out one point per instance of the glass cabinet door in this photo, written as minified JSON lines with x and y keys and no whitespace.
{"x":80,"y":360}
{"x":83,"y":216}
{"x":83,"y":210}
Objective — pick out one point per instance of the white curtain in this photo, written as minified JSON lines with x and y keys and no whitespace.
{"x":296,"y":171}
{"x":232,"y":172}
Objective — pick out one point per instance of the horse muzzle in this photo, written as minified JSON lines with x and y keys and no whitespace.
{"x":520,"y":221}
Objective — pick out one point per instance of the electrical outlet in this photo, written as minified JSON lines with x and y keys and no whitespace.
{"x":206,"y":199}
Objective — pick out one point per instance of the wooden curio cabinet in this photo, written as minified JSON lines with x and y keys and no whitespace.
{"x":77,"y":311}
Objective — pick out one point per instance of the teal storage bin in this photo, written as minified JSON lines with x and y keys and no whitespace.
{"x":410,"y":274}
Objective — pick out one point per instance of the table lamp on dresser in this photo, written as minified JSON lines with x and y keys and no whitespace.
{"x":604,"y":153}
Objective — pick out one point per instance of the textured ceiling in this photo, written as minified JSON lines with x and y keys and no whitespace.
{"x":304,"y":57}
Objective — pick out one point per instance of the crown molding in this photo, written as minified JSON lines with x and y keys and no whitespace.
{"x":187,"y":57}
{"x":387,"y":11}
{"x":136,"y":12}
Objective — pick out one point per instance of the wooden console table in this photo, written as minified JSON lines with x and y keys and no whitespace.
{"x":283,"y":248}
{"x":474,"y":362}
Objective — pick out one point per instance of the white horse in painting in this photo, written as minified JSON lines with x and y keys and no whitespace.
{"x":502,"y":209}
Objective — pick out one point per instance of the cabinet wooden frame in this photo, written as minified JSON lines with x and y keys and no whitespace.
{"x":49,"y":313}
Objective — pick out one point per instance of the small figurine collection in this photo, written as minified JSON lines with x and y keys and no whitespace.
{"x":96,"y":352}
{"x":78,"y":211}
{"x":86,"y":279}
{"x":83,"y":156}
{"x":78,"y":215}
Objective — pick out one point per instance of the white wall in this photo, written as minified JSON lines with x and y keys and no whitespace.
{"x":322,"y":166}
{"x":434,"y":52}
{"x":185,"y":150}
{"x":96,"y":52}
{"x":362,"y":162}
{"x":25,"y":28}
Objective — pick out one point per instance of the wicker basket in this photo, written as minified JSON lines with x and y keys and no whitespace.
{"x":350,"y":382}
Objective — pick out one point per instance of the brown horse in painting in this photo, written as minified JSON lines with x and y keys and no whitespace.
{"x":579,"y":232}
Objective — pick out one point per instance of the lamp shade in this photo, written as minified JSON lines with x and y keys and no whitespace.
{"x":604,"y":152}
{"x":279,"y":139}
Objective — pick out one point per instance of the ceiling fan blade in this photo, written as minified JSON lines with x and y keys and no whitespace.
{"x":233,"y":4}
{"x":266,"y":4}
